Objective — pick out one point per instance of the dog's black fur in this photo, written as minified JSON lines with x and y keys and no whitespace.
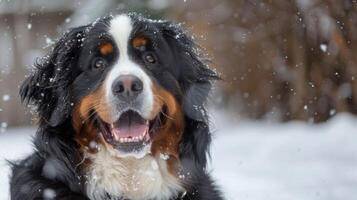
{"x":54,"y":88}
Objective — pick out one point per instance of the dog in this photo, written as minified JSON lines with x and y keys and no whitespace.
{"x":121,"y":114}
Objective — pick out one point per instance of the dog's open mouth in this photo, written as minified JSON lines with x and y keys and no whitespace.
{"x":131,"y":132}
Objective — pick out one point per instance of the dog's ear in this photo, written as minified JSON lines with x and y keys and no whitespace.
{"x":195,"y":77}
{"x":47,"y":87}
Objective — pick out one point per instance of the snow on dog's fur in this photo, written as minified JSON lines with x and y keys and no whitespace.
{"x":121,"y":114}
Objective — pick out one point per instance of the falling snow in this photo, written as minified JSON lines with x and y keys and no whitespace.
{"x":332,"y":112}
{"x":68,"y":20}
{"x":323,"y":47}
{"x":49,"y":41}
{"x":300,"y":160}
{"x":6,"y":97}
{"x":3,"y":127}
{"x":49,"y":194}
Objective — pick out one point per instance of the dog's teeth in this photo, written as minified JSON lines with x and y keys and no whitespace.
{"x":121,"y":140}
{"x":126,"y":140}
{"x":141,"y":137}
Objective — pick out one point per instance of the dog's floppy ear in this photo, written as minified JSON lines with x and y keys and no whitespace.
{"x":195,"y":76}
{"x":47,"y":86}
{"x":195,"y":79}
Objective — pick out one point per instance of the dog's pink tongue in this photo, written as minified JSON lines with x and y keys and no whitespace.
{"x":133,"y":130}
{"x":130,"y":124}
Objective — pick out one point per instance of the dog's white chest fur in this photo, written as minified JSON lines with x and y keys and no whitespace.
{"x":132,"y":178}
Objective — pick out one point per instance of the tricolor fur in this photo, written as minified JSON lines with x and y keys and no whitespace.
{"x":121,"y":115}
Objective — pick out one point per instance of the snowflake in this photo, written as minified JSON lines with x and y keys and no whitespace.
{"x":323,"y":47}
{"x":49,"y":193}
{"x":6,"y":97}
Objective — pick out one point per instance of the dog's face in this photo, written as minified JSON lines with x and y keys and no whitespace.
{"x":125,"y":65}
{"x":125,"y":82}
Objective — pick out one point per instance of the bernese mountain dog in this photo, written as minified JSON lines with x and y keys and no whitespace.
{"x":120,"y":105}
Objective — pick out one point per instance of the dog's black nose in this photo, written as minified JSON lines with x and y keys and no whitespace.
{"x":127,"y":87}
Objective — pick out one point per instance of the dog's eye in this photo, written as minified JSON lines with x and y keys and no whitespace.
{"x":150,"y":58}
{"x":99,"y":63}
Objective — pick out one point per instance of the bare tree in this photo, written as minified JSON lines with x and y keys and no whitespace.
{"x":291,"y":59}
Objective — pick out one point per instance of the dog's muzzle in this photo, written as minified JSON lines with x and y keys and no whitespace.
{"x":127,"y":88}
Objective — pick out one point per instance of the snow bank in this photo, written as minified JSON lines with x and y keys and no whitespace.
{"x":14,"y":144}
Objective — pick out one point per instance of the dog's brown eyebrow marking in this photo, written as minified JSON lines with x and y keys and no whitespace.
{"x":139,"y":41}
{"x":106,"y":48}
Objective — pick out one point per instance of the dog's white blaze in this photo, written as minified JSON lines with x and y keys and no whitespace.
{"x":140,"y":176}
{"x":120,"y":29}
{"x":135,"y":179}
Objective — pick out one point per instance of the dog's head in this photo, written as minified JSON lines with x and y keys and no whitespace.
{"x":126,"y":82}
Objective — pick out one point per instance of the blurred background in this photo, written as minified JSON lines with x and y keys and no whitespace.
{"x":280,"y":60}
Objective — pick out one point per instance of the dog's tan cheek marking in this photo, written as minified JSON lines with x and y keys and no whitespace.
{"x":86,"y":132}
{"x":166,"y":141}
{"x":106,"y":48}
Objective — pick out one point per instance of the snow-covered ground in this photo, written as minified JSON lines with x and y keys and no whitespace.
{"x":260,"y":160}
{"x":14,"y":144}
